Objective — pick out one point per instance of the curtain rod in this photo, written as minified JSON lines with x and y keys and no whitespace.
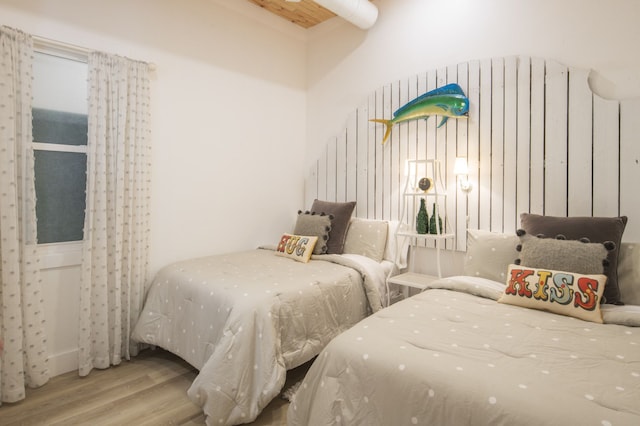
{"x":70,"y":51}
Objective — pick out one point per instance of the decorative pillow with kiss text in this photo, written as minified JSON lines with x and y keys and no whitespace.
{"x":559,"y":292}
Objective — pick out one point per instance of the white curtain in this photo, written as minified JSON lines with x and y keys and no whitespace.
{"x":24,"y":361}
{"x":116,"y":230}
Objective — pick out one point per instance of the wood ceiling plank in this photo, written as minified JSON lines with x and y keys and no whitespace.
{"x":305,"y":13}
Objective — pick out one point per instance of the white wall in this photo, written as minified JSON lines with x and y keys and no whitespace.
{"x":345,"y":64}
{"x":228,"y":125}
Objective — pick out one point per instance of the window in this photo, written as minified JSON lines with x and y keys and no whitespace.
{"x":60,"y":146}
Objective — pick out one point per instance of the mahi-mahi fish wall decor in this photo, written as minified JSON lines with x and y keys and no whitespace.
{"x":446,"y":101}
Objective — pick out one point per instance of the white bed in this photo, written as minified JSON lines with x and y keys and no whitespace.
{"x":245,"y":318}
{"x":454,"y":355}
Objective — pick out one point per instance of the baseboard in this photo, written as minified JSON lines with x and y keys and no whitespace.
{"x":63,"y":362}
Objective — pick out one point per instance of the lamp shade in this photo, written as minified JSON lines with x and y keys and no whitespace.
{"x":460,"y":167}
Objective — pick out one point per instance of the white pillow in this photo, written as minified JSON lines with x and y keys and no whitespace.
{"x":367,"y":237}
{"x":390,"y":248}
{"x":621,"y":314}
{"x":629,"y":273}
{"x":489,"y":254}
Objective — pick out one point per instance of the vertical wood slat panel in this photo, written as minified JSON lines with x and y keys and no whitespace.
{"x":580,"y":144}
{"x":441,"y":132}
{"x":322,"y":175}
{"x":422,"y":134}
{"x":448,"y":163}
{"x":311,"y":185}
{"x":630,"y":166}
{"x":400,"y":151}
{"x":473,"y":144}
{"x":524,"y":138}
{"x":352,"y":164}
{"x":424,"y":81}
{"x":412,"y":126}
{"x":362,"y":163}
{"x":372,"y":146}
{"x":431,"y":129}
{"x":497,"y":144}
{"x":413,"y":130}
{"x":388,"y":154}
{"x":341,"y":166}
{"x":462,"y":142}
{"x":527,"y":141}
{"x":509,"y":218}
{"x":536,"y":166}
{"x":555,"y":144}
{"x":606,"y":149}
{"x":332,"y":171}
{"x":484,"y":178}
{"x":431,"y":124}
{"x":382,"y":111}
{"x":440,"y":150}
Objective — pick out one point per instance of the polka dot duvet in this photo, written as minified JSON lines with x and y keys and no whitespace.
{"x":244,"y":318}
{"x":452,"y":355}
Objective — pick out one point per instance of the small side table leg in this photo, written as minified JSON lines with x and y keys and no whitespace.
{"x":405,"y":291}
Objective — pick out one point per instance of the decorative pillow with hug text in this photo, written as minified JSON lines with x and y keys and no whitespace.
{"x":296,"y":247}
{"x":564,"y":293}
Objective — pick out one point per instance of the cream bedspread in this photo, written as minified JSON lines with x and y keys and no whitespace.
{"x":448,"y":357}
{"x":244,"y":318}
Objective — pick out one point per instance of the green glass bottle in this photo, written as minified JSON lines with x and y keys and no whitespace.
{"x":422,"y":220}
{"x":432,"y":222}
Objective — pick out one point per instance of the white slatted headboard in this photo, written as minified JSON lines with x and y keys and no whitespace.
{"x":537,"y":140}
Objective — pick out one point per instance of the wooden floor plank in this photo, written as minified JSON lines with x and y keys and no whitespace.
{"x":127,"y":408}
{"x":57,"y":406}
{"x":151,"y":389}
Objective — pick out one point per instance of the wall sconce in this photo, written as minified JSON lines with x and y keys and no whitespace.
{"x":461,"y":170}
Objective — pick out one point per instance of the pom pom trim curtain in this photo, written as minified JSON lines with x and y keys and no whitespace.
{"x":116,"y":230}
{"x":24,"y":360}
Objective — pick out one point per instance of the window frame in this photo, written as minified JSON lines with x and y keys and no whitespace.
{"x":66,"y":253}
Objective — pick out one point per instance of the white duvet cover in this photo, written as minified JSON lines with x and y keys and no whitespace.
{"x":452,"y":355}
{"x":244,"y":318}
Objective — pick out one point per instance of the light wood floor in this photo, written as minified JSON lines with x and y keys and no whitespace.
{"x":151,"y":389}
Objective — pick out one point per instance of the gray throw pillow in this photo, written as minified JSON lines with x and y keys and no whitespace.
{"x":341,"y":216}
{"x":596,"y":229}
{"x":314,"y":225}
{"x":562,"y":255}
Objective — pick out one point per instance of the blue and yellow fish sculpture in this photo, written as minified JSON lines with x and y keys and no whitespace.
{"x":446,"y":101}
